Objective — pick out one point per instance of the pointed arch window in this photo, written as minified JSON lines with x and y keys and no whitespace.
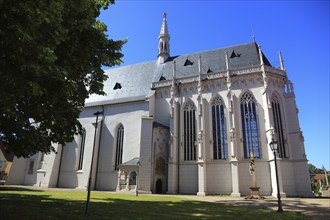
{"x":250,"y":125}
{"x":278,"y":126}
{"x":119,"y":146}
{"x":219,"y":129}
{"x":81,"y":149}
{"x":189,"y":129}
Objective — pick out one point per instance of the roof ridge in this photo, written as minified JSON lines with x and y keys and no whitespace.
{"x":220,"y":48}
{"x":186,"y":54}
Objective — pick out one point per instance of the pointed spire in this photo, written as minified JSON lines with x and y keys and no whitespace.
{"x":253,"y":36}
{"x":199,"y":70}
{"x":228,"y":72}
{"x":260,"y":55}
{"x":199,"y":65}
{"x":163,"y":42}
{"x":174,"y":69}
{"x":164,"y":28}
{"x":281,"y":60}
{"x":227,"y":60}
{"x":173,"y":87}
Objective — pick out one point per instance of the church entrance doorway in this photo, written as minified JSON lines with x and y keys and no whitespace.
{"x":159,"y":186}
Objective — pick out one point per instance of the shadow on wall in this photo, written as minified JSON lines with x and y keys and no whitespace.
{"x":54,"y":173}
{"x":107,"y":177}
{"x":67,"y":176}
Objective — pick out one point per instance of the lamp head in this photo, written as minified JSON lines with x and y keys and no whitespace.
{"x":273,"y":145}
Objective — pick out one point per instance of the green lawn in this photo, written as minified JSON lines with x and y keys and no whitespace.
{"x":26,"y":203}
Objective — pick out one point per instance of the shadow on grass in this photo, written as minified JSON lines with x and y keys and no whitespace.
{"x":311,"y":209}
{"x":44,"y":206}
{"x":17,"y":188}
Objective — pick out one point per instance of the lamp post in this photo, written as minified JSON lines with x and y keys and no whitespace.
{"x":137,"y":179}
{"x":91,"y":169}
{"x":273,"y":146}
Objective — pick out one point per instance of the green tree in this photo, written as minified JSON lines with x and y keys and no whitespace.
{"x":313,"y":169}
{"x":51,"y":58}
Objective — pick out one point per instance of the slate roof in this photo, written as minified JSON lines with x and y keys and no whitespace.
{"x":135,"y":80}
{"x":132,"y":162}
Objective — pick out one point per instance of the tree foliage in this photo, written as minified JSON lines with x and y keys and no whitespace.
{"x":317,"y":183}
{"x":51,"y":58}
{"x":313,"y":169}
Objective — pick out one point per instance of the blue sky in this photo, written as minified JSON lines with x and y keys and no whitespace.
{"x":300,"y":29}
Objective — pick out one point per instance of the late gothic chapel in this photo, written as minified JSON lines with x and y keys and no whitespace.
{"x":183,"y":124}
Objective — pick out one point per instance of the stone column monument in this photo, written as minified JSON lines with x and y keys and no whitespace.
{"x":254,"y":194}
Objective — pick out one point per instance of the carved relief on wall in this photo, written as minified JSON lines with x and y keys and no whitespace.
{"x":275,"y":71}
{"x":160,"y":166}
{"x":163,"y":93}
{"x":215,"y":85}
{"x":200,"y":136}
{"x":232,"y":134}
{"x":122,"y":178}
{"x":246,"y":71}
{"x":216,"y":75}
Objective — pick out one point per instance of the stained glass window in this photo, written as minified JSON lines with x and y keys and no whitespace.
{"x":219,"y":130}
{"x":278,"y":126}
{"x":250,"y":126}
{"x":119,"y":146}
{"x":189,"y":119}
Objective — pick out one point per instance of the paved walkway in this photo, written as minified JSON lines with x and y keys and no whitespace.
{"x":317,"y":208}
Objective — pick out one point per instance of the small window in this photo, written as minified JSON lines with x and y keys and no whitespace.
{"x":234,"y":54}
{"x":162,"y":78}
{"x":31,"y":165}
{"x":188,"y":62}
{"x":209,"y":70}
{"x":81,"y":149}
{"x":119,"y":146}
{"x":41,"y":161}
{"x":42,"y":158}
{"x":117,"y":86}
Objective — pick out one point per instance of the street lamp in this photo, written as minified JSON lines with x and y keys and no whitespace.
{"x":137,"y":178}
{"x":273,"y":146}
{"x":91,"y":169}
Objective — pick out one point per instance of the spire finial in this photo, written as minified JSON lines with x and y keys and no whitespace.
{"x":227,"y":60}
{"x":163,"y":29}
{"x":281,"y":60}
{"x":260,"y":55}
{"x":163,"y":41}
{"x":253,"y":36}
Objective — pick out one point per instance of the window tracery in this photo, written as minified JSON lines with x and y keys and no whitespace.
{"x":249,"y":121}
{"x":276,"y":107}
{"x":189,"y":119}
{"x":219,"y":129}
{"x":119,"y":146}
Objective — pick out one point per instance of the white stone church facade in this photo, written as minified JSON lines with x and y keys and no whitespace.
{"x":183,"y":124}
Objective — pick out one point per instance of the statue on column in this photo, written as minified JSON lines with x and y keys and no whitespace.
{"x":254,"y":194}
{"x":252,"y":168}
